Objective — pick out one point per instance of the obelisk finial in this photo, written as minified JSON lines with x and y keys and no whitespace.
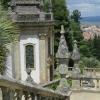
{"x":62,"y":29}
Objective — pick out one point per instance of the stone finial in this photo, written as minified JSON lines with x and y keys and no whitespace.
{"x":29,"y":78}
{"x":75,"y":53}
{"x":41,"y":2}
{"x":50,"y":6}
{"x":63,"y":58}
{"x":62,"y":29}
{"x":76,"y":70}
{"x":12,"y":2}
{"x":63,"y":48}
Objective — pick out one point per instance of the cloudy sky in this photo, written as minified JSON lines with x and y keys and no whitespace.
{"x":86,"y":7}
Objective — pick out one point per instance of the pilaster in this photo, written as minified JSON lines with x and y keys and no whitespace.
{"x":16,"y":60}
{"x":43,"y":57}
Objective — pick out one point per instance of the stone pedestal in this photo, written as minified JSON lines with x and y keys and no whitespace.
{"x":75,"y":84}
{"x":76,"y":70}
{"x":62,"y":56}
{"x":76,"y":73}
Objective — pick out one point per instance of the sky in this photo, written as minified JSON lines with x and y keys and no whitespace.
{"x":86,"y":7}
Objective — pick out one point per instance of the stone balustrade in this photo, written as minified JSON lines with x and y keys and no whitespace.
{"x":17,"y":90}
{"x":80,"y":83}
{"x":87,"y":83}
{"x":88,"y":78}
{"x":92,"y":71}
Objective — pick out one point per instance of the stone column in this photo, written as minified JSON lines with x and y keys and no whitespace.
{"x":13,"y":61}
{"x":9,"y":63}
{"x":76,"y":70}
{"x":63,"y":58}
{"x":43,"y":52}
{"x":16,"y":61}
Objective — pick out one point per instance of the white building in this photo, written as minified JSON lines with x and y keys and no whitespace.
{"x":35,"y":43}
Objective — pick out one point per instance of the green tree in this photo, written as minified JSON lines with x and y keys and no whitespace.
{"x":4,"y":3}
{"x":7,"y":30}
{"x":85,"y":46}
{"x":89,"y":62}
{"x":46,"y":5}
{"x":76,"y":29}
{"x":61,"y":16}
{"x":96,"y":47}
{"x":76,"y":15}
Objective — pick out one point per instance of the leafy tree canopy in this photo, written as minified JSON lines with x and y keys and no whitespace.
{"x":8,"y":33}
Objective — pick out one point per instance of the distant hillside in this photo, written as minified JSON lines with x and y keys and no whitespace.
{"x":91,"y":20}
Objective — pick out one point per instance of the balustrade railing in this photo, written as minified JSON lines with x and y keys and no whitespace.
{"x":88,"y":79}
{"x":92,"y":71}
{"x":80,"y":83}
{"x":85,"y":83}
{"x":18,"y":90}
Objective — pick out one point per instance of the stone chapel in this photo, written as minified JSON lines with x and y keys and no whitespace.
{"x":35,"y":43}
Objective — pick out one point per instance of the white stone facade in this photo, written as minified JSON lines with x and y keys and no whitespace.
{"x":33,"y":40}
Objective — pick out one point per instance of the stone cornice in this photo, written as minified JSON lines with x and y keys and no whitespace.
{"x":27,"y":2}
{"x":42,"y":35}
{"x":39,"y":24}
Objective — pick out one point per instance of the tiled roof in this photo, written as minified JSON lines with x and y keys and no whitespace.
{"x":90,"y":32}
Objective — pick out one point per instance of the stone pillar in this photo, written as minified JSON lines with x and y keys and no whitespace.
{"x":9,"y":66}
{"x":16,"y":61}
{"x":62,"y":56}
{"x":43,"y":58}
{"x":13,"y":61}
{"x":76,"y":70}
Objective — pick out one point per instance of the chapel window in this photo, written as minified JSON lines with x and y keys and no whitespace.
{"x":29,"y":49}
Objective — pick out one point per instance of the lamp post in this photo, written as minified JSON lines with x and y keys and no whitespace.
{"x":63,"y":56}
